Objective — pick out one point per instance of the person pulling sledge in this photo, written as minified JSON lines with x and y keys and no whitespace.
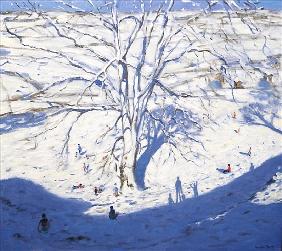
{"x":43,"y":224}
{"x":112,"y":214}
{"x":76,"y":187}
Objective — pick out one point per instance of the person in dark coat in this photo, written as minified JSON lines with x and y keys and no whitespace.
{"x":250,"y":151}
{"x":112,"y":214}
{"x":96,"y":191}
{"x":43,"y":224}
{"x":77,"y":187}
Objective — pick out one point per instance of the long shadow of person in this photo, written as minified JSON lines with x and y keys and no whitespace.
{"x":178,"y":190}
{"x":194,"y":186}
{"x":170,"y":200}
{"x":252,"y":167}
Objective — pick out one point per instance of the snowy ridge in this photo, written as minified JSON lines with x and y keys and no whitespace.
{"x":230,"y":203}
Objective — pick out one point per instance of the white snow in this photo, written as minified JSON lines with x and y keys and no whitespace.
{"x":237,"y":211}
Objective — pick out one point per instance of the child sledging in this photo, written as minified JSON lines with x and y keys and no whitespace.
{"x":43,"y":224}
{"x":112,"y":214}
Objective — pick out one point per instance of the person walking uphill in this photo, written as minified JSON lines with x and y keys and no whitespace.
{"x":43,"y":224}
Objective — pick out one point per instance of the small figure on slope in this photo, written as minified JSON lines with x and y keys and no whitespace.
{"x":76,"y":187}
{"x":79,"y":148}
{"x":101,"y":189}
{"x":112,"y":214}
{"x":228,"y":170}
{"x":79,"y":151}
{"x":250,"y":151}
{"x":43,"y":224}
{"x":115,"y":190}
{"x":85,"y":168}
{"x":96,"y":191}
{"x":234,"y":115}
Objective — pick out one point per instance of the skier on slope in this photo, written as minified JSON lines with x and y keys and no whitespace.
{"x":43,"y":224}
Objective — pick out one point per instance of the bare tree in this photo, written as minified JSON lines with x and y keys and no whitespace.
{"x":130,"y":57}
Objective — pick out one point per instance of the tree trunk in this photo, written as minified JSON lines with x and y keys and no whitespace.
{"x":129,"y":161}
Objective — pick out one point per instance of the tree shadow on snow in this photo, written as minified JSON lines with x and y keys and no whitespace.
{"x":260,"y":115}
{"x":265,"y":110}
{"x":163,"y":125}
{"x":12,"y":122}
{"x":224,"y":217}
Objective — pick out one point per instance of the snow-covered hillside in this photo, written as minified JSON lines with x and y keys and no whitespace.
{"x":240,"y":210}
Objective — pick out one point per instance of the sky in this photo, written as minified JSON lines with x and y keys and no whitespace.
{"x":126,"y":5}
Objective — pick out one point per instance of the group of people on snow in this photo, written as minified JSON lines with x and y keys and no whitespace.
{"x":44,"y":224}
{"x":86,"y":169}
{"x":78,"y":154}
{"x":99,"y":189}
{"x":178,"y":188}
{"x":180,"y":196}
{"x":249,"y":153}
